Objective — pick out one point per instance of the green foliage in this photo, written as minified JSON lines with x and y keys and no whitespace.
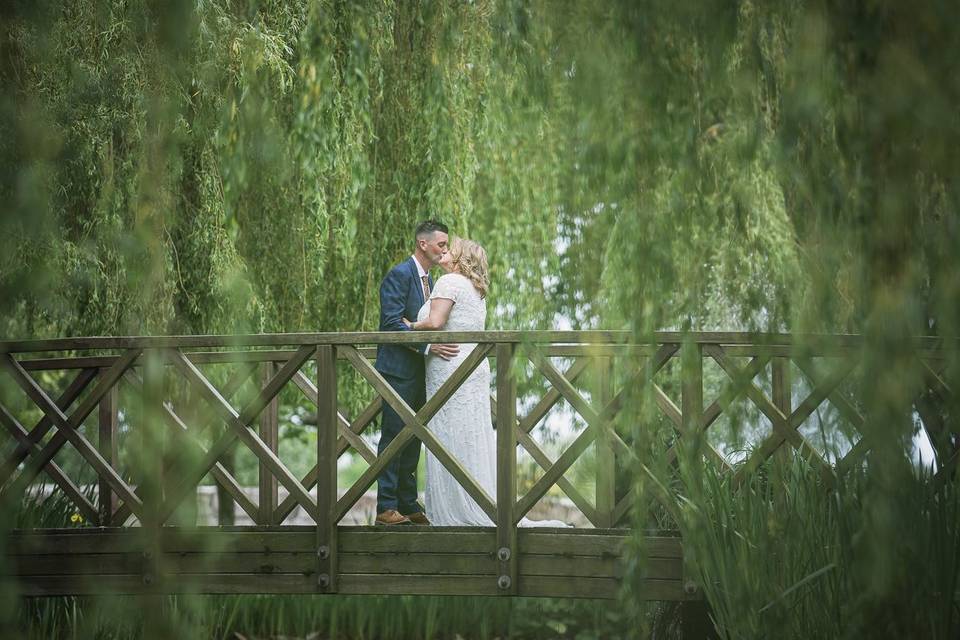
{"x":212,"y":166}
{"x":260,"y":169}
{"x":260,"y":166}
{"x":784,"y":556}
{"x":387,"y":617}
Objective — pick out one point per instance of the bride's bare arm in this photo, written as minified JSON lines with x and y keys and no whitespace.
{"x":439,"y":312}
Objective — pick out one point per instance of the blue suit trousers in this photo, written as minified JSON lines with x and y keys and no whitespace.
{"x":397,"y":483}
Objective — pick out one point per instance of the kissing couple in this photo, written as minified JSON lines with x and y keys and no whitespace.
{"x":463,"y":425}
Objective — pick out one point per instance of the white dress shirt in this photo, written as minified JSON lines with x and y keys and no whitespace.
{"x":420,"y":273}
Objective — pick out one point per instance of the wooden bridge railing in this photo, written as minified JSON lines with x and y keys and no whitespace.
{"x":148,"y":366}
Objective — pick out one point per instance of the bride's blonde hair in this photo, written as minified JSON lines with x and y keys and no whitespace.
{"x":471,"y":261}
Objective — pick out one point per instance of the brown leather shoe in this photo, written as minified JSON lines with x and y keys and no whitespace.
{"x":391,"y":517}
{"x":418,"y":518}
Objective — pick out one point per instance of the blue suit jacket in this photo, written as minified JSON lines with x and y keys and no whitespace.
{"x":401,"y":296}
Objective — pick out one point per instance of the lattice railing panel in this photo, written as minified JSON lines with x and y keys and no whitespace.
{"x":62,"y":422}
{"x":540,"y":445}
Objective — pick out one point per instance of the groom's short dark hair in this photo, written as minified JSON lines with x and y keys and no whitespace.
{"x":427,"y":227}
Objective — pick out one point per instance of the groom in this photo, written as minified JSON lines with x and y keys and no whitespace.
{"x":402,"y":292}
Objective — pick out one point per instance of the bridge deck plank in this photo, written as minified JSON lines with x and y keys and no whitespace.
{"x":413,"y":560}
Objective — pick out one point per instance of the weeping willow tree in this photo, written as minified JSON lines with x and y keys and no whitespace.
{"x":788,"y":166}
{"x":213,"y":167}
{"x":216,"y":166}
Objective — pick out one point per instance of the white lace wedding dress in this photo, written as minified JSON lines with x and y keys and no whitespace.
{"x":463,"y":424}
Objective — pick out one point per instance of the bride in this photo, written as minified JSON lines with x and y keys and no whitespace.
{"x":463,"y":424}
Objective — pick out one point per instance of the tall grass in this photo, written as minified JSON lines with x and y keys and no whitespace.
{"x":345,"y":617}
{"x":359,"y":617}
{"x":784,"y":556}
{"x":53,"y":615}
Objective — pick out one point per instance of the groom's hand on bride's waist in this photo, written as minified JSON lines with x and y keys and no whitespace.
{"x":445,"y":351}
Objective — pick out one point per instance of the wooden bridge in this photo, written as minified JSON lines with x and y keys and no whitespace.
{"x":174,"y":426}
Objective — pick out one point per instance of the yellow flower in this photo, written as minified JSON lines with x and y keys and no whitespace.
{"x":76,"y":518}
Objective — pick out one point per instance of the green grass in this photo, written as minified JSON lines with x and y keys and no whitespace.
{"x":345,"y":617}
{"x":783,"y":556}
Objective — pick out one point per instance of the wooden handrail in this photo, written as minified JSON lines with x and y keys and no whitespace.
{"x":550,"y":343}
{"x":593,"y":337}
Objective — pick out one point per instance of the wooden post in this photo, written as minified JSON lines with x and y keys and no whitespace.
{"x":606,"y":458}
{"x":781,"y":383}
{"x":226,"y":507}
{"x":695,"y":622}
{"x":108,"y":444}
{"x":781,"y":386}
{"x":269,"y":433}
{"x":151,"y":438}
{"x":691,"y":385}
{"x":694,"y":614}
{"x":326,"y":469}
{"x":155,"y":619}
{"x":507,"y":549}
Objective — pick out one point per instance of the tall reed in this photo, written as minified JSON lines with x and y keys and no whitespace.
{"x":785,"y":556}
{"x":343,"y":617}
